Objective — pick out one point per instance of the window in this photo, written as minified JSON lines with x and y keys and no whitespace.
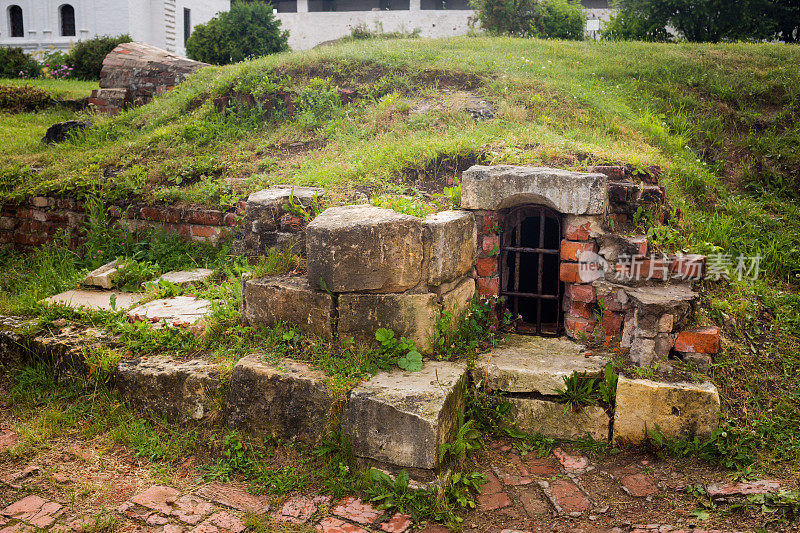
{"x":187,"y":25}
{"x":15,"y":21}
{"x":67,"y":15}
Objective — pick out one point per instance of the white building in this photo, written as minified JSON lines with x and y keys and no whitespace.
{"x":311,"y":22}
{"x":40,"y":24}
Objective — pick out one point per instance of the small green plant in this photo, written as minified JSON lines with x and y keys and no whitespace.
{"x":404,"y":204}
{"x":402,"y":352}
{"x":780,"y":506}
{"x":466,"y":440}
{"x":608,"y":386}
{"x":307,"y":214}
{"x":579,"y":391}
{"x":726,"y":446}
{"x":133,"y":274}
{"x":454,"y":192}
{"x":462,"y":486}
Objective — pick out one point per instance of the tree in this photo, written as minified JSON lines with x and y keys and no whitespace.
{"x":247,"y":30}
{"x":548,"y":19}
{"x":705,"y":20}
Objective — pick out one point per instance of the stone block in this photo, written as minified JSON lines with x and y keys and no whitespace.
{"x":95,"y":299}
{"x":450,"y":242}
{"x":414,"y":316}
{"x":527,"y":364}
{"x":364,"y":248}
{"x":676,"y":409}
{"x":265,"y":209}
{"x":175,"y":390}
{"x":558,"y":420}
{"x":176,"y":311}
{"x":504,"y":186}
{"x":268,"y":301}
{"x":102,"y":277}
{"x":458,"y":299}
{"x":653,"y":302}
{"x":401,"y":418}
{"x":186,"y":277}
{"x":288,"y":400}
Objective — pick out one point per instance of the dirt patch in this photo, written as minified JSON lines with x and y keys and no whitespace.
{"x":440,"y":172}
{"x":355,"y":73}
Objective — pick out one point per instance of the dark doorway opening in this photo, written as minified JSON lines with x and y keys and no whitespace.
{"x":16,"y":22}
{"x":67,"y":15}
{"x":529,"y":275}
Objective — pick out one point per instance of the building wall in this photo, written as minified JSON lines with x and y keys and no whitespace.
{"x":307,"y":30}
{"x":155,"y":22}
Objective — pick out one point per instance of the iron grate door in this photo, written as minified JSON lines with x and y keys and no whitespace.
{"x":529,"y":275}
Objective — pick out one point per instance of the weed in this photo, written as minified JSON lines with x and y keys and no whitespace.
{"x":466,"y":440}
{"x":402,"y":352}
{"x":728,"y":447}
{"x":579,"y":391}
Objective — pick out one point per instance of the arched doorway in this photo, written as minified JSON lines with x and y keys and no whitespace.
{"x":529,"y":268}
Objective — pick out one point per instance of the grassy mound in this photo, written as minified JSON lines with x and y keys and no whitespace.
{"x":391,"y":117}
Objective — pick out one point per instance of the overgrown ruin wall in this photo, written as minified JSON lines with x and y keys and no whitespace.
{"x":39,"y":219}
{"x":133,"y":73}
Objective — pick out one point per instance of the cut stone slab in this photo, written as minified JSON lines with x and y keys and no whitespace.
{"x":534,"y":364}
{"x":450,"y":241}
{"x":364,"y":248}
{"x":96,"y":299}
{"x":456,"y":301}
{"x":175,"y":390}
{"x":653,"y":302}
{"x":414,"y":316}
{"x":180,"y":310}
{"x":401,"y":418}
{"x":102,"y":277}
{"x":503,"y":186}
{"x":285,"y":299}
{"x":186,"y":277}
{"x":677,"y":409}
{"x":264,"y":210}
{"x":289,"y":400}
{"x":557,"y":420}
{"x":734,"y":490}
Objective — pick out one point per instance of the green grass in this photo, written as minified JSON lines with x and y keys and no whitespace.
{"x":64,"y":89}
{"x":721,"y":120}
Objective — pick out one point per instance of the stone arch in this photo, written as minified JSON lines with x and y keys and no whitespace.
{"x":66,"y":20}
{"x":16,"y":21}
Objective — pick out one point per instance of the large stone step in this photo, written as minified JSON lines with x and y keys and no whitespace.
{"x":529,"y":370}
{"x":528,"y":364}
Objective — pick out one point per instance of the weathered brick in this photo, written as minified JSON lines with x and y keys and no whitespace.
{"x":490,"y":245}
{"x":486,"y":266}
{"x":231,"y":219}
{"x":581,"y":292}
{"x":698,"y":340}
{"x":573,"y":273}
{"x":612,"y":323}
{"x":614,"y":172}
{"x":205,"y":232}
{"x":572,"y":250}
{"x":582,"y":309}
{"x":206,"y":218}
{"x":489,"y":286}
{"x":578,"y":233}
{"x":691,"y":266}
{"x":577,"y":325}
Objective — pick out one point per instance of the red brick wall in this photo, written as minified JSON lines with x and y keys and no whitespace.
{"x":39,"y":219}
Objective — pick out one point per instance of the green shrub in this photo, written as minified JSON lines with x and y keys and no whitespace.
{"x":559,"y":19}
{"x":87,"y":56}
{"x":23,"y":98}
{"x":15,"y":63}
{"x":247,"y":30}
{"x":632,"y":25}
{"x":548,"y":19}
